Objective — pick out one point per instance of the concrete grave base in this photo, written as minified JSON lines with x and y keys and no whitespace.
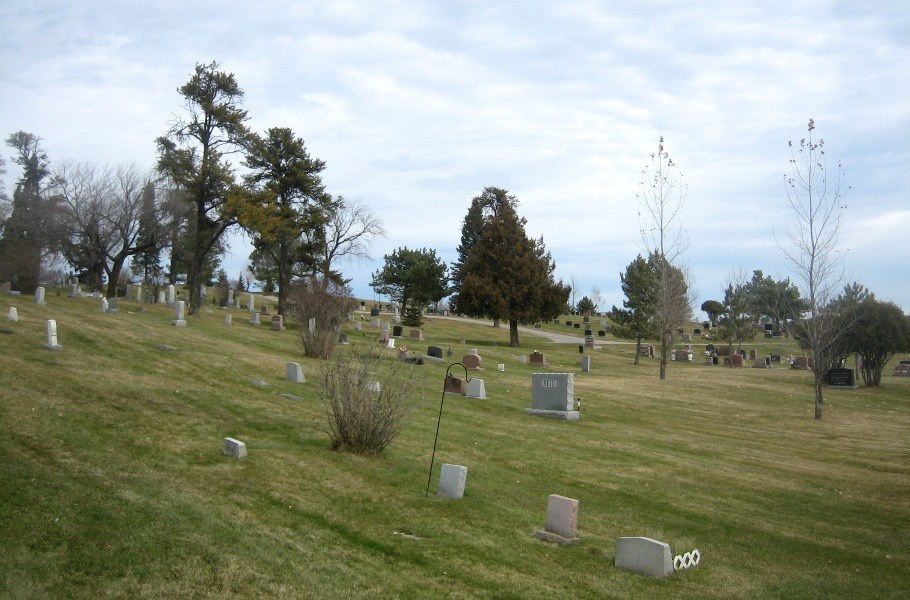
{"x":178,"y":323}
{"x":554,"y":538}
{"x":564,"y":415}
{"x":54,"y":347}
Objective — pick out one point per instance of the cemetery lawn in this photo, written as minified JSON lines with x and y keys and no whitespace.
{"x":113,"y":483}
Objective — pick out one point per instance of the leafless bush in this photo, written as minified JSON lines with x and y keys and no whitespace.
{"x":320,"y":307}
{"x":367,"y":400}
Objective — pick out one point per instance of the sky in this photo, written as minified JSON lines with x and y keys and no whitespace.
{"x":417,"y":106}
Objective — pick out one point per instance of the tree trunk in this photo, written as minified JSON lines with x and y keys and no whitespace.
{"x":284,"y":277}
{"x":818,"y":396}
{"x":114,"y":276}
{"x":193,"y":277}
{"x":513,"y":333}
{"x":496,"y":323}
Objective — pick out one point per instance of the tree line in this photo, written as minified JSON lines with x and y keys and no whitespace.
{"x":95,"y":218}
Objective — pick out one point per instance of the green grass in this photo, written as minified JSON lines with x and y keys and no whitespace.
{"x":112,"y":481}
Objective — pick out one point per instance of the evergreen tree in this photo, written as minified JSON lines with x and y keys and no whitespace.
{"x":508,"y":275}
{"x":734,"y":324}
{"x":412,"y":276}
{"x":634,"y":320}
{"x":482,"y":208}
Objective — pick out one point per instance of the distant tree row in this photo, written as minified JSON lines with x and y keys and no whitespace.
{"x":96,"y":218}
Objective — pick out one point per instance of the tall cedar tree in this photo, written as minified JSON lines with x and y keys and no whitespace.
{"x":482,"y":208}
{"x":27,"y":230}
{"x":508,"y":275}
{"x":412,"y":277}
{"x":192,"y":155}
{"x":290,"y":206}
{"x":634,"y":320}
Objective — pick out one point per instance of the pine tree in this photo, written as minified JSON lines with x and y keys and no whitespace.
{"x":635,"y":319}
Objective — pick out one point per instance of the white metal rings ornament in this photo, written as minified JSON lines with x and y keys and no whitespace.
{"x":687,"y":560}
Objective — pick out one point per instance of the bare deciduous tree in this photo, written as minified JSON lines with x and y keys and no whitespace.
{"x":351,"y":228}
{"x":663,"y":194}
{"x":817,"y":204}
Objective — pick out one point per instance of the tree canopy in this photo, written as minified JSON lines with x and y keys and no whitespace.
{"x":506,"y":274}
{"x":634,"y":320}
{"x":409,"y":276}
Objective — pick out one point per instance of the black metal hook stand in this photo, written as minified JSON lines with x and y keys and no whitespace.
{"x":439,"y":420}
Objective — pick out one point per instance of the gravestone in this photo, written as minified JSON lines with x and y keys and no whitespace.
{"x":562,"y":520}
{"x":800,"y":363}
{"x":581,"y":348}
{"x":383,"y":336}
{"x":374,"y":312}
{"x":265,"y":310}
{"x":553,"y":395}
{"x":646,"y":351}
{"x":762,"y":362}
{"x":251,"y":303}
{"x":537,"y":359}
{"x":112,"y":305}
{"x":13,"y":314}
{"x":385,"y":326}
{"x":586,"y":364}
{"x":568,"y":323}
{"x":753,"y":354}
{"x":230,"y":298}
{"x":52,"y":336}
{"x":736,"y":359}
{"x":39,"y":296}
{"x":343,"y":339}
{"x":74,"y":290}
{"x":374,"y":322}
{"x":586,"y":319}
{"x":161,"y":297}
{"x":775,"y":358}
{"x":237,"y":301}
{"x":602,"y":333}
{"x":471,"y":361}
{"x":255,"y":319}
{"x":179,"y":315}
{"x":644,"y":555}
{"x":139,"y":293}
{"x":501,"y":367}
{"x":711,"y":359}
{"x":358,"y":326}
{"x":452,"y":479}
{"x":476,"y":389}
{"x":453,"y":385}
{"x":434,"y":352}
{"x":390,"y":343}
{"x":104,"y":305}
{"x":840,"y":378}
{"x":171,"y":298}
{"x":576,"y":325}
{"x":5,"y":287}
{"x":589,"y":341}
{"x":473,"y":351}
{"x":397,"y":331}
{"x":901,"y":370}
{"x":696,"y":331}
{"x":234,"y":448}
{"x":416,"y":335}
{"x":686,"y":337}
{"x":294,"y":372}
{"x":397,"y":319}
{"x":228,"y":319}
{"x":126,"y":293}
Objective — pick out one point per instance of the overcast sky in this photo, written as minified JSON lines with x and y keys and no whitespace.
{"x":417,"y":106}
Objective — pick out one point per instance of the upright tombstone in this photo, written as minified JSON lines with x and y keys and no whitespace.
{"x":840,"y":378}
{"x":237,"y":301}
{"x":111,"y":305}
{"x":553,"y":395}
{"x":171,"y":297}
{"x":74,"y":290}
{"x":644,"y":555}
{"x":589,"y":341}
{"x":139,"y":293}
{"x":416,"y":335}
{"x":294,"y":372}
{"x":255,"y":319}
{"x":13,"y":314}
{"x":104,"y":305}
{"x":383,"y":336}
{"x":434,"y":352}
{"x":179,"y":315}
{"x":453,"y":385}
{"x":537,"y":359}
{"x":374,"y":322}
{"x":251,"y":304}
{"x":343,"y":339}
{"x":476,"y":389}
{"x":230,"y":298}
{"x":39,"y":296}
{"x":228,"y":319}
{"x":471,"y":361}
{"x":358,"y":326}
{"x":234,"y":448}
{"x":390,"y":343}
{"x":52,"y":336}
{"x":562,"y":520}
{"x":452,"y":480}
{"x":161,"y":299}
{"x":586,"y":364}
{"x":762,"y":362}
{"x":5,"y":287}
{"x":278,"y":323}
{"x":397,"y":331}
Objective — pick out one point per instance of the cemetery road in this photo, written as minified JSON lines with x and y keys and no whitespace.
{"x":559,"y":338}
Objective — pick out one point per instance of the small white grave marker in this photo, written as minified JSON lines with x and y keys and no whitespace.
{"x":234,"y":448}
{"x":13,"y":314}
{"x":476,"y":389}
{"x":452,"y":479}
{"x":179,"y":315}
{"x":39,"y":296}
{"x":104,"y":305}
{"x":52,"y":336}
{"x":171,"y":298}
{"x":228,"y":319}
{"x":562,"y":520}
{"x":294,"y":372}
{"x":644,"y":555}
{"x":255,"y":319}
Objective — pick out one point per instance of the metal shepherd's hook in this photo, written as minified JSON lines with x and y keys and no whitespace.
{"x":439,"y":420}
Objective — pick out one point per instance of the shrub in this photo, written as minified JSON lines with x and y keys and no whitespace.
{"x":366,"y":400}
{"x":328,"y":304}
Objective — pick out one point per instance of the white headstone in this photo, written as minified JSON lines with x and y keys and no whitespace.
{"x":385,"y":325}
{"x":39,"y":296}
{"x":52,"y":336}
{"x":171,"y":298}
{"x":358,"y":326}
{"x":234,"y":448}
{"x":251,"y":303}
{"x":391,"y":343}
{"x":374,"y":386}
{"x":374,"y":322}
{"x":104,"y":305}
{"x":179,"y":315}
{"x":644,"y":555}
{"x":228,"y":319}
{"x":139,"y":293}
{"x":562,"y":516}
{"x":585,"y":364}
{"x":74,"y":290}
{"x":501,"y":367}
{"x":13,"y":314}
{"x":237,"y":302}
{"x":397,"y":319}
{"x":452,"y":479}
{"x":255,"y":319}
{"x":294,"y":372}
{"x":476,"y":389}
{"x":161,"y":297}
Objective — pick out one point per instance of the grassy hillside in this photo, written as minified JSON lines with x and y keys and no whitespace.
{"x":112,"y":481}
